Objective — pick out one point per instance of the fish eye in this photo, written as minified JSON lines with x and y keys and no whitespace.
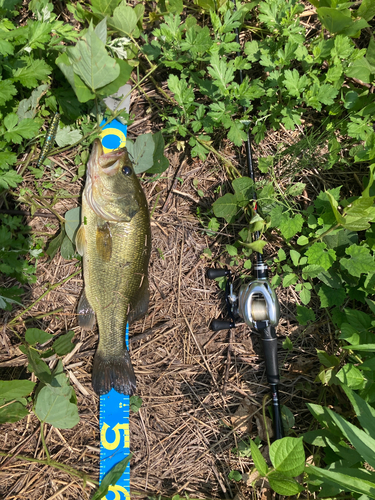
{"x":126,"y":170}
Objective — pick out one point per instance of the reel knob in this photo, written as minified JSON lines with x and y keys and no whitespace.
{"x":219,"y":324}
{"x":217,"y":273}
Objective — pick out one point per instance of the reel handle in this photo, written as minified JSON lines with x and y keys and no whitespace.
{"x":213,"y":273}
{"x":219,"y":324}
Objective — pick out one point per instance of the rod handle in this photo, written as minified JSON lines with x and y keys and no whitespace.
{"x":270,"y":355}
{"x":216,"y":273}
{"x":219,"y":324}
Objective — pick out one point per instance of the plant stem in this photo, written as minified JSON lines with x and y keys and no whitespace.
{"x":321,"y":236}
{"x":49,"y":289}
{"x":265,"y":399}
{"x":53,"y":463}
{"x":44,"y":442}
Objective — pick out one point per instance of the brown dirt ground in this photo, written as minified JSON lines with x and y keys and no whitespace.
{"x":202,"y":392}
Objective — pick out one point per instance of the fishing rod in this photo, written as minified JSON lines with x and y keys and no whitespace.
{"x":257,"y":303}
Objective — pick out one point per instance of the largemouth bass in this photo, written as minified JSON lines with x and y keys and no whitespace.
{"x":114,"y":239}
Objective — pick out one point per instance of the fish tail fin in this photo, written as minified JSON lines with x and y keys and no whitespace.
{"x":113,"y":372}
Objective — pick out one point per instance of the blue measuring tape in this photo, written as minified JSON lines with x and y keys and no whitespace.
{"x":114,"y":407}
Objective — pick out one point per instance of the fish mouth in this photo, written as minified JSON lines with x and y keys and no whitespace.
{"x":109,"y":163}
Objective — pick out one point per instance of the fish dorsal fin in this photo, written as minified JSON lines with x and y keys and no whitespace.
{"x":104,"y":241}
{"x":81,"y":239}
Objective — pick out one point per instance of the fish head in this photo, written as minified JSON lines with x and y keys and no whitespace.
{"x":112,"y":188}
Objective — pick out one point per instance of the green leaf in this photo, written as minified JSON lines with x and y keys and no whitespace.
{"x":318,"y":254}
{"x":221,"y":72}
{"x":67,"y":249}
{"x":232,"y":251}
{"x":226,"y":207}
{"x":15,"y":389}
{"x":141,"y":152}
{"x":35,"y":336}
{"x":67,"y":136}
{"x":305,"y":296}
{"x":302,"y":240}
{"x":55,"y":244}
{"x":258,"y":459}
{"x":13,"y":412}
{"x":264,"y":164}
{"x":345,"y":481}
{"x":236,"y":133}
{"x":7,"y":91}
{"x":288,"y":344}
{"x":361,"y":441}
{"x":351,"y":376}
{"x":160,"y":162}
{"x":326,"y":360}
{"x":91,"y":61}
{"x":360,"y":261}
{"x":295,"y":189}
{"x":54,"y":402}
{"x":290,"y":226}
{"x":366,"y":10}
{"x":105,"y":7}
{"x":38,"y":366}
{"x":25,"y":129}
{"x":30,"y":71}
{"x":124,"y":20}
{"x":311,"y":271}
{"x":244,"y":188}
{"x":235,"y":475}
{"x":333,"y":19}
{"x":111,"y":478}
{"x":295,"y":83}
{"x":304,"y":315}
{"x":81,"y":90}
{"x":72,"y":222}
{"x":330,"y":296}
{"x":283,"y":485}
{"x":10,"y":179}
{"x":360,"y":69}
{"x":63,"y":345}
{"x":365,"y":413}
{"x":135,"y":403}
{"x":288,"y":456}
{"x":290,"y":279}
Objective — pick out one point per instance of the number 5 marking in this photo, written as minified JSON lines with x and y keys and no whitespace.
{"x":117,"y":490}
{"x":116,"y":430}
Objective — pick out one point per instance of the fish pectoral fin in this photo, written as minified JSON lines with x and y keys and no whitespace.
{"x":139,"y":309}
{"x":86,"y":314}
{"x":104,"y":241}
{"x":81,"y":239}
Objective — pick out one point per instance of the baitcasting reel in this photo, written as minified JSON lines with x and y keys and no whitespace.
{"x":256,"y":303}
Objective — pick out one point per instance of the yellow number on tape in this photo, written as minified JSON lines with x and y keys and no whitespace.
{"x":116,"y":429}
{"x":117,"y":490}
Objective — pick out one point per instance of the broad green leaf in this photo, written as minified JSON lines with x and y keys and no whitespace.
{"x":10,"y":179}
{"x":30,"y":71}
{"x":141,"y":152}
{"x":334,"y":204}
{"x":312,"y":271}
{"x":290,"y":226}
{"x":15,"y":389}
{"x":67,"y":136}
{"x":365,"y":413}
{"x":161,"y":163}
{"x":360,"y":261}
{"x":236,"y":133}
{"x":91,"y":61}
{"x":302,"y":240}
{"x":221,"y":72}
{"x":25,"y":129}
{"x":7,"y":91}
{"x":244,"y":186}
{"x":54,"y":403}
{"x":330,"y":296}
{"x":258,"y":459}
{"x":284,"y":485}
{"x":345,"y":481}
{"x":105,"y":7}
{"x":235,"y":475}
{"x":360,"y":69}
{"x":122,"y":79}
{"x":265,"y":163}
{"x":290,"y":279}
{"x":35,"y":336}
{"x":226,"y":207}
{"x":361,"y":347}
{"x":295,"y":83}
{"x":72,"y":222}
{"x":318,"y":437}
{"x":38,"y":366}
{"x":366,"y":10}
{"x":326,"y":360}
{"x":304,"y":315}
{"x":55,"y":244}
{"x":13,"y":412}
{"x":362,"y":442}
{"x":63,"y":345}
{"x":333,"y":19}
{"x":295,"y":189}
{"x":81,"y":90}
{"x":351,"y":376}
{"x":319,"y":255}
{"x":256,"y":246}
{"x":288,"y":456}
{"x":111,"y":478}
{"x":67,"y":249}
{"x":124,"y":20}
